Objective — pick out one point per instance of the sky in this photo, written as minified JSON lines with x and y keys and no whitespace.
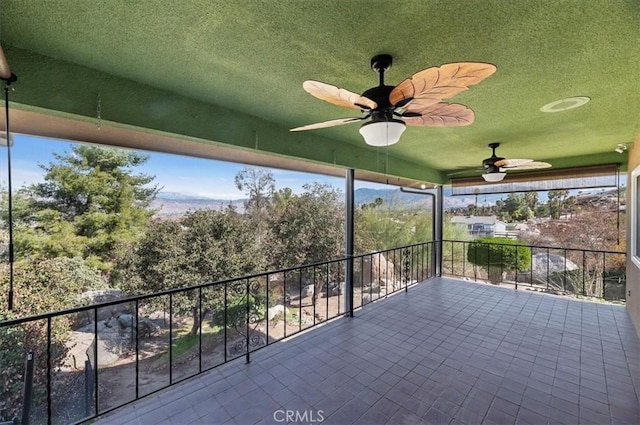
{"x":186,"y":175}
{"x":173,"y":173}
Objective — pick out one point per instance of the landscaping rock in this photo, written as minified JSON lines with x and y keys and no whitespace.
{"x":274,"y":311}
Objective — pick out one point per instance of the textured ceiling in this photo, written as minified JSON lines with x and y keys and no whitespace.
{"x":231,"y":73}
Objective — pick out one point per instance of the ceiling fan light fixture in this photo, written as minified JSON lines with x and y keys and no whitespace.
{"x":494,"y":177}
{"x":382,"y":133}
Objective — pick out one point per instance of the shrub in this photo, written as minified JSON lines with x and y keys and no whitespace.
{"x":498,"y":255}
{"x":40,"y":285}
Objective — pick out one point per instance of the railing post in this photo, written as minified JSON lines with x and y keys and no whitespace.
{"x":299,"y":301}
{"x":314,"y":298}
{"x":137,"y":348}
{"x":200,"y":318}
{"x":517,"y":266}
{"x":88,"y":387}
{"x":564,"y":272}
{"x":604,"y":275}
{"x":248,"y":358}
{"x":224,"y":320}
{"x":548,"y":274}
{"x":28,"y":389}
{"x":49,"y":407}
{"x":584,"y":269}
{"x":406,"y":265}
{"x":439,"y":219}
{"x":453,"y":255}
{"x":170,"y":338}
{"x":349,"y":236}
{"x":96,"y":386}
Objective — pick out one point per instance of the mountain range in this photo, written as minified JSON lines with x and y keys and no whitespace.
{"x":174,"y":204}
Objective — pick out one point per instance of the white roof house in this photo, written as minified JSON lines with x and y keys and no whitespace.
{"x":481,"y":225}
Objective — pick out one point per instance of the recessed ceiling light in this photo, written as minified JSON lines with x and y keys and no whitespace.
{"x":565,"y":104}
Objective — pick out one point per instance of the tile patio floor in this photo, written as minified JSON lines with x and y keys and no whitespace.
{"x":446,"y":352}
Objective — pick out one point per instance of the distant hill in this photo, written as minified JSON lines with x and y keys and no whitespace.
{"x":172,"y":204}
{"x":390,"y":197}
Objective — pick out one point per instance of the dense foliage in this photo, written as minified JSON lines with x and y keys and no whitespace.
{"x":522,"y":207}
{"x":90,"y":201}
{"x":380,"y":227}
{"x":498,"y":255}
{"x":309,"y":228}
{"x":41,"y":285}
{"x":203,"y":246}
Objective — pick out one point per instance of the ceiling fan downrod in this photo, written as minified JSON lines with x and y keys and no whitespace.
{"x":381,"y":64}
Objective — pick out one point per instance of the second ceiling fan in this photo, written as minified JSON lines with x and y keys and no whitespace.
{"x":416,"y":101}
{"x":495,"y":167}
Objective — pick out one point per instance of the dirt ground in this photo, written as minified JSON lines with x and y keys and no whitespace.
{"x":117,"y":354}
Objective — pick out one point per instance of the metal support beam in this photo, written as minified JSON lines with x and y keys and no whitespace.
{"x":433,"y":220}
{"x":349,"y":238}
{"x":439,"y":220}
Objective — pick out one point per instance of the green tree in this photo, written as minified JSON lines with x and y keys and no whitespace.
{"x":531,"y":199}
{"x":90,"y":201}
{"x":204,"y":246}
{"x":259,"y":185}
{"x":512,"y":204}
{"x":556,"y":203}
{"x":523,"y":213}
{"x":310,"y":229}
{"x":281,"y":200}
{"x":396,"y":225}
{"x":498,"y":255}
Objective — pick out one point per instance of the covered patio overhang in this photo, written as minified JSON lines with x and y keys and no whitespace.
{"x":222,"y":81}
{"x":230,"y":76}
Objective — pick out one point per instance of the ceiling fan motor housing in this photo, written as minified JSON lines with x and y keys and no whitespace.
{"x":489,"y":163}
{"x":380,"y":95}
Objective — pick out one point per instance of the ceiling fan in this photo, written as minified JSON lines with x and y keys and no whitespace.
{"x":416,"y":101}
{"x":495,"y":167}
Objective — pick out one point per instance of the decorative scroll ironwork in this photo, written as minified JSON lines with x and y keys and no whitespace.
{"x":406,"y":266}
{"x":244,"y":316}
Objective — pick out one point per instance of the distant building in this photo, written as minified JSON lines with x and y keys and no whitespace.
{"x":481,"y":226}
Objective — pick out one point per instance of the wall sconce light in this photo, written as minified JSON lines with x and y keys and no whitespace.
{"x":620,"y":148}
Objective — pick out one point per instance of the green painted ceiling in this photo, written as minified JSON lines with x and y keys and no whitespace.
{"x":231,"y":73}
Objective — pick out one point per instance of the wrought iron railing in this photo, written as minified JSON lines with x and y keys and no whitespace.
{"x":585,"y":272}
{"x":97,"y":358}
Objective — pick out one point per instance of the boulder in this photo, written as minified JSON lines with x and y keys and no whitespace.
{"x":91,"y":298}
{"x":377,"y":270}
{"x":336,"y":288}
{"x":126,"y":322}
{"x":307,"y":291}
{"x":274,"y":311}
{"x":99,"y":296}
{"x":546,"y":265}
{"x":543,"y":262}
